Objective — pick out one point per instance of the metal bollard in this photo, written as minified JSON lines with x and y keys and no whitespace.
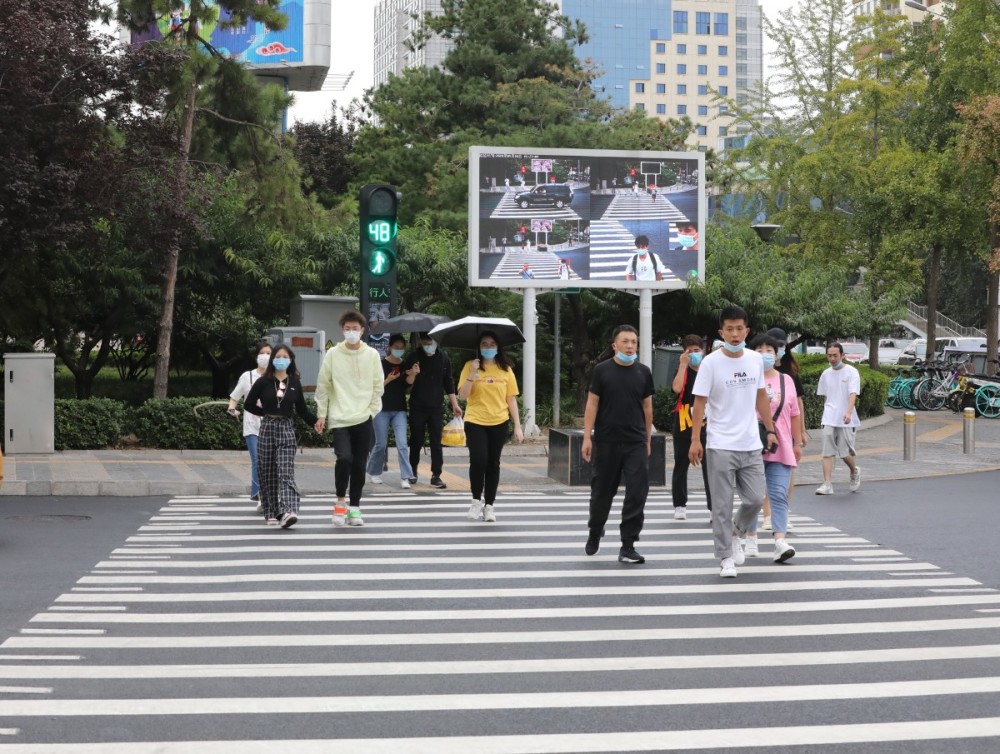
{"x":969,"y":431}
{"x":909,"y":436}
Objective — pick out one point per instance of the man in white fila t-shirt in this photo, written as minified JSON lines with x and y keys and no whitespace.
{"x":643,"y":265}
{"x":731,"y":384}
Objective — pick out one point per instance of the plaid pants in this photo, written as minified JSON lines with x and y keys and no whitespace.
{"x":276,"y":466}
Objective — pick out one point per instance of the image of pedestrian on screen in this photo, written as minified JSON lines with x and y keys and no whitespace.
{"x":489,"y":388}
{"x":251,"y":422}
{"x":617,"y":439}
{"x":273,"y":397}
{"x":643,"y":265}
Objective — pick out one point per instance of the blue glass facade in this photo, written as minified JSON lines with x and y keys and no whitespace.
{"x":620,"y":34}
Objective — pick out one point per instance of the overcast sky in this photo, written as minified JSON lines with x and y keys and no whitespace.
{"x":352,"y":50}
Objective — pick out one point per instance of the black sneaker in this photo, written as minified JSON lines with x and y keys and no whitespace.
{"x":593,"y":543}
{"x":412,"y":480}
{"x":436,"y":482}
{"x":628,"y":555}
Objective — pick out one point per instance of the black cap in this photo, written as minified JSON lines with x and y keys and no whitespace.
{"x":778,"y":334}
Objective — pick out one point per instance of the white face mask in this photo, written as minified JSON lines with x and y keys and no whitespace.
{"x":262,"y":360}
{"x":352,"y":336}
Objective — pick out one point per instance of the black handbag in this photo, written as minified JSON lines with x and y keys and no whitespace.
{"x":763,"y":429}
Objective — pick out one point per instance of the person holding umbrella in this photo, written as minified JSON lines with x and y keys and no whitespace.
{"x":428,"y":373}
{"x":489,"y":388}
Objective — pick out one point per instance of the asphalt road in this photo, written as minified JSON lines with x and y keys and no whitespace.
{"x":183,"y":626}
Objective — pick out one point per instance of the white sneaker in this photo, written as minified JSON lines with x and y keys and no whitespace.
{"x":738,"y":556}
{"x":856,"y":479}
{"x":766,"y":525}
{"x":475,"y":511}
{"x":728,"y":570}
{"x":376,"y":479}
{"x":339,"y":516}
{"x":260,"y":508}
{"x":789,"y":527}
{"x":488,"y":515}
{"x":750,"y":548}
{"x":680,"y":513}
{"x":403,"y":484}
{"x":782,"y":551}
{"x":825,"y":489}
{"x":354,"y":517}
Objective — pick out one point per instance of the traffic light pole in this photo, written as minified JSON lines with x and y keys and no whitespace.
{"x":377,"y":215}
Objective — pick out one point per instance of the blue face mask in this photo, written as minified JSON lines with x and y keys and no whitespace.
{"x":734,"y":349}
{"x":625,"y":358}
{"x":397,"y":353}
{"x":431,"y":349}
{"x":837,"y":364}
{"x":685,"y":240}
{"x":281,"y":364}
{"x":768,"y":361}
{"x":696,"y":358}
{"x":781,"y":354}
{"x":488,"y":353}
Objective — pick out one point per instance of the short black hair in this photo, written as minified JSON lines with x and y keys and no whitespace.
{"x":397,"y":338}
{"x":622,"y":328}
{"x":693,"y":340}
{"x":641,"y":240}
{"x":734,"y":312}
{"x":352,"y":315}
{"x":835,"y":344}
{"x":765,"y":340}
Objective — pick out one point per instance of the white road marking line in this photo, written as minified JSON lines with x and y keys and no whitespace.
{"x":72,"y":631}
{"x":24,"y":690}
{"x":537,"y":613}
{"x":58,"y":658}
{"x":456,"y":639}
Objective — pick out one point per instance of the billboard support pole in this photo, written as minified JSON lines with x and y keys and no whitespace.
{"x":556,"y":363}
{"x":646,"y":327}
{"x":528,"y":423}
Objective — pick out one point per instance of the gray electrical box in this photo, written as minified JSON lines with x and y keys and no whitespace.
{"x":322,"y":312}
{"x":309,"y":346}
{"x":666,"y":359}
{"x":29,"y":406}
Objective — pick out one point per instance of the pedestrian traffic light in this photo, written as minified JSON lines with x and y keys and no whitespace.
{"x":379,"y":228}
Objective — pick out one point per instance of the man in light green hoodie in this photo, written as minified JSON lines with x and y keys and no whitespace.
{"x":348,"y":394}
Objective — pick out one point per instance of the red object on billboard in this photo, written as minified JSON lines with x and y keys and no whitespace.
{"x":632,"y":172}
{"x":524,"y":229}
{"x":524,"y":169}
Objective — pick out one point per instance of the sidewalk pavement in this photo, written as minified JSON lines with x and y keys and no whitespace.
{"x":138,"y":473}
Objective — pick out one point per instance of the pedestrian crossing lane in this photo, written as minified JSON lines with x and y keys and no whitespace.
{"x":425,"y":632}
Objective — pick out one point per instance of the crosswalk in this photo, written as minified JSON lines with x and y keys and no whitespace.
{"x":509,"y":209}
{"x":423,"y":632}
{"x":612,"y":247}
{"x":544,"y":265}
{"x":627,"y":205}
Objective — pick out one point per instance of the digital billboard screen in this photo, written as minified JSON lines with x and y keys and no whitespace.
{"x":555,"y":218}
{"x":253,"y":43}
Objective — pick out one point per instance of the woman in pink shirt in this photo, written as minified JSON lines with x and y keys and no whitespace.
{"x":779,"y":464}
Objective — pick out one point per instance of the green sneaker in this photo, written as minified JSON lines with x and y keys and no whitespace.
{"x":354,"y":517}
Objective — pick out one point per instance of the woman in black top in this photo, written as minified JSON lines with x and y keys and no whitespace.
{"x":279,"y":390}
{"x":683,"y":386}
{"x":393,"y":414}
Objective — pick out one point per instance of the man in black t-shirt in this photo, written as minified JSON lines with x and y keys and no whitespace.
{"x":619,"y":414}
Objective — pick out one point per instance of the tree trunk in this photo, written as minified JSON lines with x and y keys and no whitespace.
{"x":933,"y":278}
{"x":582,"y":352}
{"x":165,"y":328}
{"x":992,"y":301}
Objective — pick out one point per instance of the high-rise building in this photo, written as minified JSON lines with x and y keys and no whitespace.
{"x":673,"y":58}
{"x":916,"y":11}
{"x":396,"y":21}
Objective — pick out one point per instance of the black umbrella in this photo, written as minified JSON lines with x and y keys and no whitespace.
{"x":409,"y":322}
{"x":467,"y":331}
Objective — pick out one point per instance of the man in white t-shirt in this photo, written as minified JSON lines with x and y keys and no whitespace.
{"x":731,"y":384}
{"x":840,"y":384}
{"x":643,"y":265}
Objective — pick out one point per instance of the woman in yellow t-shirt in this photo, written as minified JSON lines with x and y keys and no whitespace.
{"x":489,"y":387}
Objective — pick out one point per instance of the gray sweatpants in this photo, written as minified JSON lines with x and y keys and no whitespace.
{"x":730,"y":470}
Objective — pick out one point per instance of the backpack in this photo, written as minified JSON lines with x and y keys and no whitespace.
{"x":656,"y":265}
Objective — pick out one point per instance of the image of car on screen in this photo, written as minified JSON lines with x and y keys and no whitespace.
{"x":545,"y":195}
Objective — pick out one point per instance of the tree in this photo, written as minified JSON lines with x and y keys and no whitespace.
{"x":323,"y":150}
{"x":237,"y":124}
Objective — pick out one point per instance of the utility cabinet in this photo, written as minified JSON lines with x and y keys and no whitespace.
{"x":29,"y":406}
{"x":308,"y":345}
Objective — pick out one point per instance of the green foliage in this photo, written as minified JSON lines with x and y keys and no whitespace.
{"x":664,"y":401}
{"x":92,"y":423}
{"x":132,"y":393}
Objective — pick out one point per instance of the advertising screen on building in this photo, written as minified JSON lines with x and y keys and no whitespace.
{"x":556,"y":218}
{"x":253,"y":43}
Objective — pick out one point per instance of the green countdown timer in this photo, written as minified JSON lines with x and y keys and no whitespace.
{"x":381,"y":231}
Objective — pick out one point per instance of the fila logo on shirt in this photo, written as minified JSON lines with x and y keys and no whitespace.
{"x":739,"y":379}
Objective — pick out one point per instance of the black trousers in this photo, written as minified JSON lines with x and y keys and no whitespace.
{"x":679,"y":480}
{"x":352,"y":445}
{"x":485,"y":445}
{"x":612,"y":461}
{"x":425,"y":421}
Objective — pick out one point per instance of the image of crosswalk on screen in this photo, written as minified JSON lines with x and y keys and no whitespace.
{"x":559,"y":218}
